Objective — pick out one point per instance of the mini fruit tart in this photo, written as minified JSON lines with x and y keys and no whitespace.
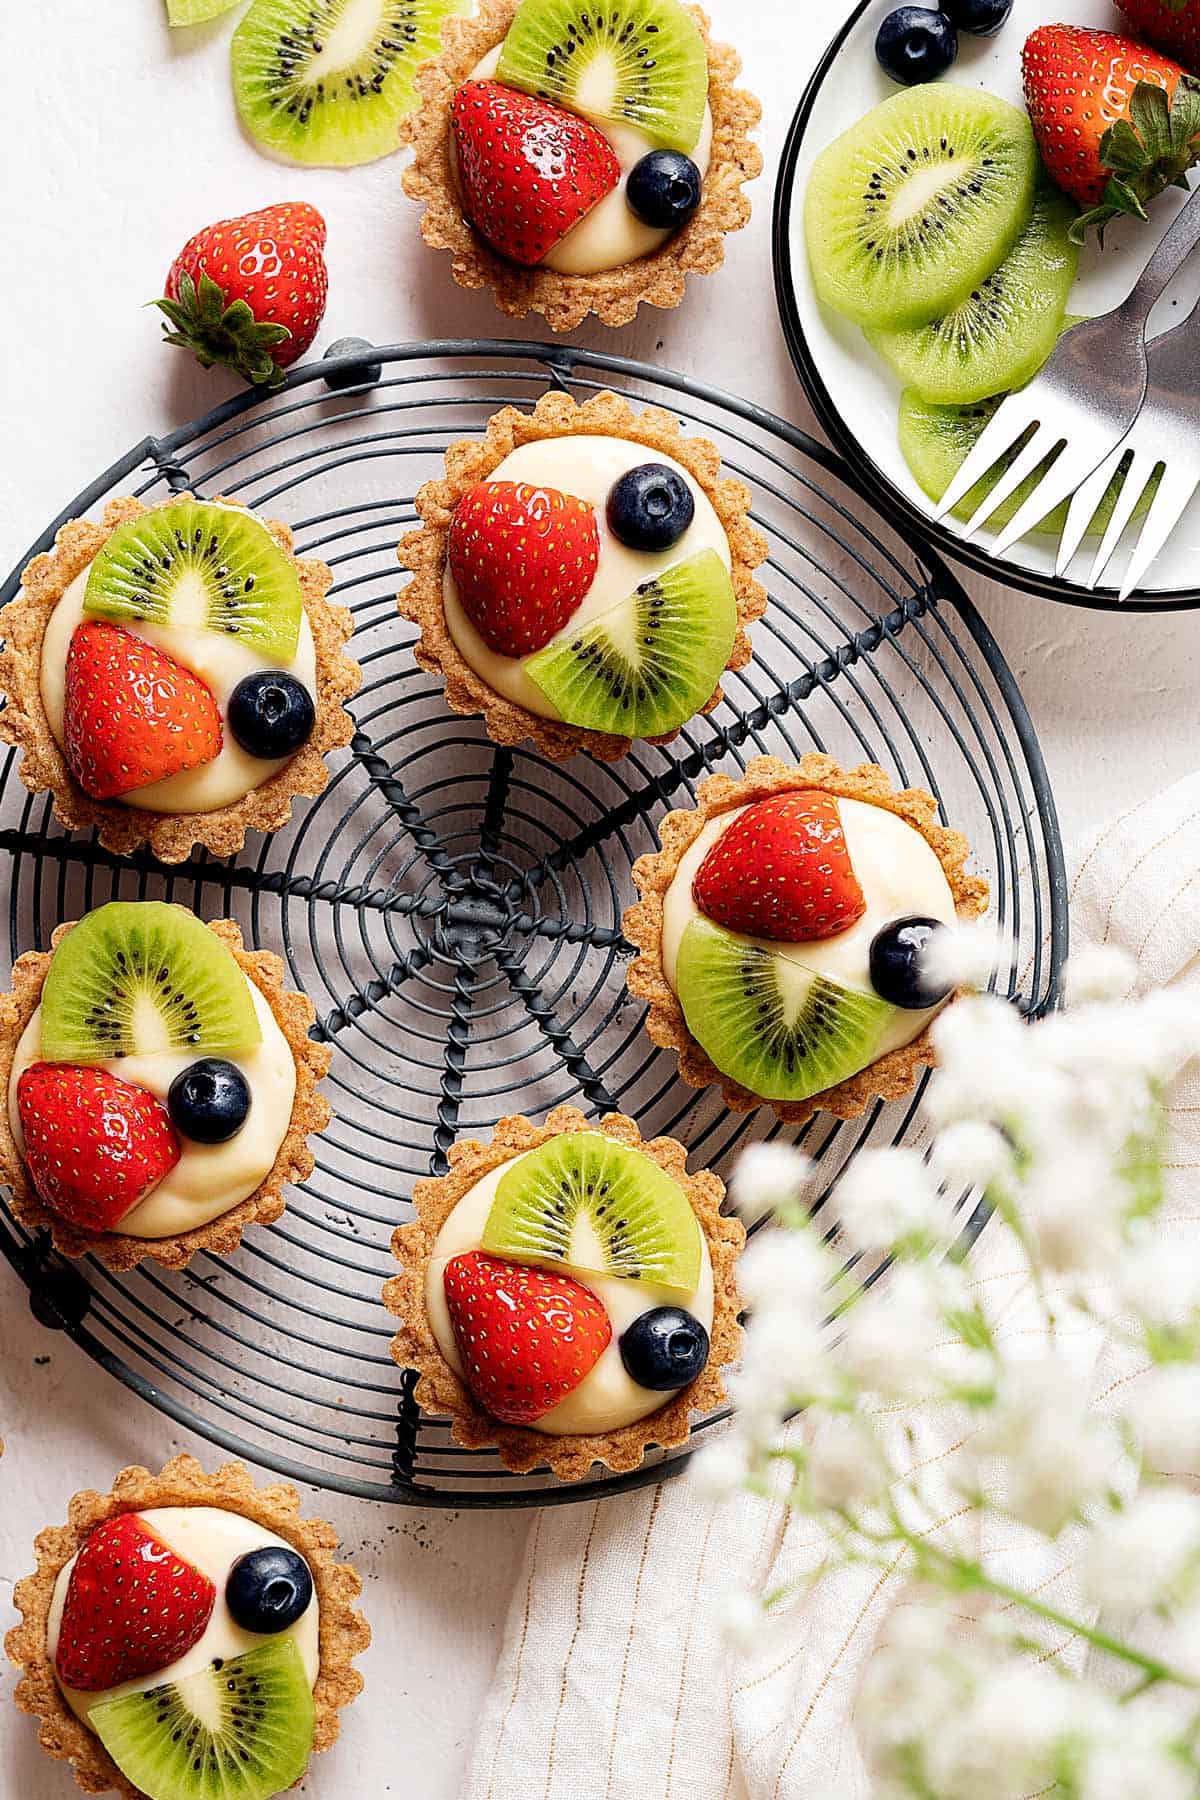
{"x":161,"y":1086}
{"x":175,"y":676}
{"x":580,"y":161}
{"x":584,"y":577}
{"x":187,"y":1635}
{"x":567,"y":1293}
{"x":783,"y":931}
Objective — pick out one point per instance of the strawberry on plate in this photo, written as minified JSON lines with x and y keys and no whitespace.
{"x":523,"y":558}
{"x":94,"y":1145}
{"x":528,"y":171}
{"x":782,"y":871}
{"x":132,"y":715}
{"x":526,"y":1337}
{"x":1170,"y":25}
{"x":132,"y":1607}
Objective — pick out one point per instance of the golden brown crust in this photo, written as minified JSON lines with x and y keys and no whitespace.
{"x":439,"y":1389}
{"x":892,"y":1075}
{"x":294,"y":1161}
{"x":472,"y":460}
{"x":344,"y":1633}
{"x":170,"y":836}
{"x":613,"y":295}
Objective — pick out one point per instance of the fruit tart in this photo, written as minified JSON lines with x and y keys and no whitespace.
{"x":175,"y":676}
{"x":567,"y":1293}
{"x":783,"y":935}
{"x":186,"y":1636}
{"x":580,"y":161}
{"x":583,"y":577}
{"x":161,"y":1086}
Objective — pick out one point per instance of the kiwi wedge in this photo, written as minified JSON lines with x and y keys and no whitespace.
{"x":584,"y":1202}
{"x":649,"y":664}
{"x":328,"y":81}
{"x":237,"y":1730}
{"x":623,"y":62}
{"x":767,"y":1021}
{"x":918,"y":203}
{"x":196,"y":565}
{"x":139,"y":976}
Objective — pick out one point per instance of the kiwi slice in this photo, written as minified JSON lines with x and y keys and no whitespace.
{"x":139,"y":976}
{"x":196,"y":12}
{"x":237,"y":1730}
{"x":918,"y":203}
{"x":590,"y":1204}
{"x":328,"y":81}
{"x":649,"y":664}
{"x":767,"y":1021}
{"x":195,"y":565}
{"x":1006,"y":327}
{"x":622,"y":62}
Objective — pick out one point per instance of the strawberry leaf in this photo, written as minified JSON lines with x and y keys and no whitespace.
{"x":216,"y":333}
{"x":1145,"y":154}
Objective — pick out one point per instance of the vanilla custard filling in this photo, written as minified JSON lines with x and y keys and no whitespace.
{"x":212,"y":1540}
{"x":900,"y":876}
{"x":208,"y":1179}
{"x":586,"y":467}
{"x":606,"y":1398}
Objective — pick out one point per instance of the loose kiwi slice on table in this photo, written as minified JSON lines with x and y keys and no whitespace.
{"x":195,"y":565}
{"x":138,"y":976}
{"x":237,"y":1730}
{"x":918,"y":203}
{"x":588,"y":1203}
{"x":624,"y":62}
{"x":649,"y":664}
{"x":196,"y":12}
{"x":767,"y":1021}
{"x":328,"y":81}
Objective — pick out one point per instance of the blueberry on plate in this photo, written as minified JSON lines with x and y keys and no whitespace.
{"x":271,"y":714}
{"x":982,"y":17}
{"x":664,"y":1349}
{"x":897,"y":964}
{"x":664,"y":189}
{"x":650,"y":508}
{"x":269,"y":1589}
{"x":210,"y":1101}
{"x":915,"y":43}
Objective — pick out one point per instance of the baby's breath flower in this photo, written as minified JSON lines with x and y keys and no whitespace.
{"x":888,"y":1198}
{"x":1159,"y":1280}
{"x":970,"y":1153}
{"x":740,"y":1620}
{"x":893,"y":1330}
{"x":720,"y":1468}
{"x":786,"y":1269}
{"x":846,"y":1466}
{"x":1163,"y":1411}
{"x":1145,"y":1556}
{"x":767,"y":1177}
{"x":1100,"y":972}
{"x":961,"y":956}
{"x":1009,"y":1738}
{"x":1048,"y":1457}
{"x":1138,"y":1760}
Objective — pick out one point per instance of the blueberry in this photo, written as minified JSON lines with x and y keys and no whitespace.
{"x":650,"y":508}
{"x":897,"y":964}
{"x":268,"y":1589}
{"x":916,"y":44}
{"x":365,"y":374}
{"x":664,"y":189}
{"x":664,"y":1349}
{"x":271,"y":714}
{"x":983,"y":17}
{"x":210,"y":1101}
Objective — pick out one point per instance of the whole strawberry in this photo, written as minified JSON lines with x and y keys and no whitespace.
{"x":782,"y":871}
{"x":132,"y":715}
{"x":1170,"y":25}
{"x":94,"y":1145}
{"x":523,"y":558}
{"x":250,"y":293}
{"x":132,"y":1608}
{"x":527,"y":1337}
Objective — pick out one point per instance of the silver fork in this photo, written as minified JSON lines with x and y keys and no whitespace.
{"x":1081,"y":405}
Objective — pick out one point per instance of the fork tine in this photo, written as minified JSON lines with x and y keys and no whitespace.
{"x":1083,"y":510}
{"x":1022,"y":466}
{"x":1067,"y":473}
{"x":1132,"y":489}
{"x":1167,"y":508}
{"x":1010,"y":422}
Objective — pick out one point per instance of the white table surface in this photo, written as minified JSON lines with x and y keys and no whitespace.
{"x":121,"y":142}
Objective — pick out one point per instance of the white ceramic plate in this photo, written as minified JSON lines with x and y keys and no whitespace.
{"x":856,"y":395}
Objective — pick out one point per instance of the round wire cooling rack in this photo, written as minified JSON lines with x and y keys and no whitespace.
{"x":454,"y":909}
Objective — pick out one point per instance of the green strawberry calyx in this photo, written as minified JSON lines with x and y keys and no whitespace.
{"x":1151,"y":150}
{"x":217,"y":333}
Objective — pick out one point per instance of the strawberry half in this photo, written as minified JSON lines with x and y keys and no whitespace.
{"x":528,"y":171}
{"x":527,"y":1338}
{"x":782,"y":871}
{"x":132,"y":1607}
{"x":523,"y":558}
{"x":94,"y":1145}
{"x":133,"y":715}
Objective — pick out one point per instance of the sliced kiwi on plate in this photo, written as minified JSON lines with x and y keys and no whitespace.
{"x":918,"y":203}
{"x":139,"y":976}
{"x":195,"y":565}
{"x":768,"y":1022}
{"x":622,"y":62}
{"x":237,"y":1730}
{"x":328,"y":81}
{"x":648,"y":664}
{"x":590,"y":1204}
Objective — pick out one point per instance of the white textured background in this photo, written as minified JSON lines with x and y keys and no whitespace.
{"x":120,"y":140}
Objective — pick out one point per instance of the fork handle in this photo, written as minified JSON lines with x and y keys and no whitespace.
{"x":1175,"y":246}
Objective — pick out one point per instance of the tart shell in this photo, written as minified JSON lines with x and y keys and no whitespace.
{"x":121,"y":828}
{"x":344,"y":1633}
{"x":564,"y":301}
{"x":889,"y":1077}
{"x":472,"y":460}
{"x":439,"y":1389}
{"x":311,"y":1113}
